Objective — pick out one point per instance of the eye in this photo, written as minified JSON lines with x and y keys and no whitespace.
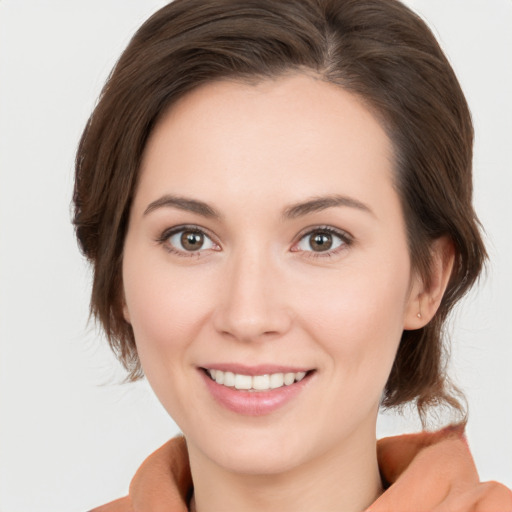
{"x":189,"y":240}
{"x":323,"y":240}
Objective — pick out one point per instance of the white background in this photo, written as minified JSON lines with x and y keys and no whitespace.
{"x":71,"y":436}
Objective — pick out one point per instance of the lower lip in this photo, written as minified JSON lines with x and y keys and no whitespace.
{"x":254,"y":403}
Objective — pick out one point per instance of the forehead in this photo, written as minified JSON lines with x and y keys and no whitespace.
{"x":265,"y":137}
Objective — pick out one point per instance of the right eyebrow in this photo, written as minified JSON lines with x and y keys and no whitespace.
{"x":183,"y":203}
{"x":317,"y":204}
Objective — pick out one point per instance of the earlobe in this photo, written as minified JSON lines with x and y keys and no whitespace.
{"x":426,"y":296}
{"x":126,"y":312}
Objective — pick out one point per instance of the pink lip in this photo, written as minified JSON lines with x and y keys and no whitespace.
{"x":254,"y":403}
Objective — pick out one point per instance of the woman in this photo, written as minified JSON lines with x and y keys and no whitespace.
{"x":276,"y":199}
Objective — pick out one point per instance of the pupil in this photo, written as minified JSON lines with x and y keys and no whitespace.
{"x":321,"y":242}
{"x":192,"y":241}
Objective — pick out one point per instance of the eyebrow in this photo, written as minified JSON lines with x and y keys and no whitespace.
{"x":317,"y":204}
{"x":313,"y":205}
{"x":183,"y":203}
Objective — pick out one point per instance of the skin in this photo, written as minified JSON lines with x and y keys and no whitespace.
{"x":258,"y":293}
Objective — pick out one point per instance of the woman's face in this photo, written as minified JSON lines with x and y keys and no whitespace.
{"x":266,"y":240}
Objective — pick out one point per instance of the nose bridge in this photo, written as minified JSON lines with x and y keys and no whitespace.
{"x":252,"y":302}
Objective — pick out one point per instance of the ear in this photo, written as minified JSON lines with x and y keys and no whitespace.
{"x":425,"y":298}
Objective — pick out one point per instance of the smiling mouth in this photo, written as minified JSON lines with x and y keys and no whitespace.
{"x":266,"y":382}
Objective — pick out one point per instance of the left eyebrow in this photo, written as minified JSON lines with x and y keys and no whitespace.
{"x":183,"y":203}
{"x":317,"y":204}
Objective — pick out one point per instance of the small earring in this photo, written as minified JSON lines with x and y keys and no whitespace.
{"x":419,"y":310}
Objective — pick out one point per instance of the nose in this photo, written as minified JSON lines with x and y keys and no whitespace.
{"x":252,"y":305}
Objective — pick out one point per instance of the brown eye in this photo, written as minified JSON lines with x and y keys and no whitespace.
{"x":322,"y":240}
{"x":189,"y":240}
{"x":192,"y":240}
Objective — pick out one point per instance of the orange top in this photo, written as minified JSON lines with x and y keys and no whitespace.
{"x":428,"y":472}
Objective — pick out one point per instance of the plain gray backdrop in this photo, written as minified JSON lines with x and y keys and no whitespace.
{"x":71,"y":436}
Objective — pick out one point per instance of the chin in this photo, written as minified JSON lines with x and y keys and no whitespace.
{"x":252,"y":452}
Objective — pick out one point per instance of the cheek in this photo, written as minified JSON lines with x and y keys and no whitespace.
{"x":357,"y":316}
{"x":165,"y":305}
{"x":167,"y":311}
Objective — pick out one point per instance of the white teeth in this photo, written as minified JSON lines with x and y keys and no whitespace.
{"x":261,"y":382}
{"x":257,"y":382}
{"x":289,"y":378}
{"x":229,"y":379}
{"x":276,"y":380}
{"x":299,"y":376}
{"x":243,"y":381}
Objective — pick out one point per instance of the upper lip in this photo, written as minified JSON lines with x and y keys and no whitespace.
{"x":260,"y":369}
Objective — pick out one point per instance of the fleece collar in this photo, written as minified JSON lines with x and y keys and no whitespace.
{"x":426,"y":472}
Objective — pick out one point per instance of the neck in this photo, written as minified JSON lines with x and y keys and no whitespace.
{"x":346,"y":478}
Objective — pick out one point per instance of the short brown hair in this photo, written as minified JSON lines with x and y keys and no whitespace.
{"x":378,"y":50}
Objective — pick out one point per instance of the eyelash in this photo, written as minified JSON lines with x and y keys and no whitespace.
{"x":345,"y":238}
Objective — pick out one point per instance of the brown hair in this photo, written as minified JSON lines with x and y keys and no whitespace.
{"x":376,"y":49}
